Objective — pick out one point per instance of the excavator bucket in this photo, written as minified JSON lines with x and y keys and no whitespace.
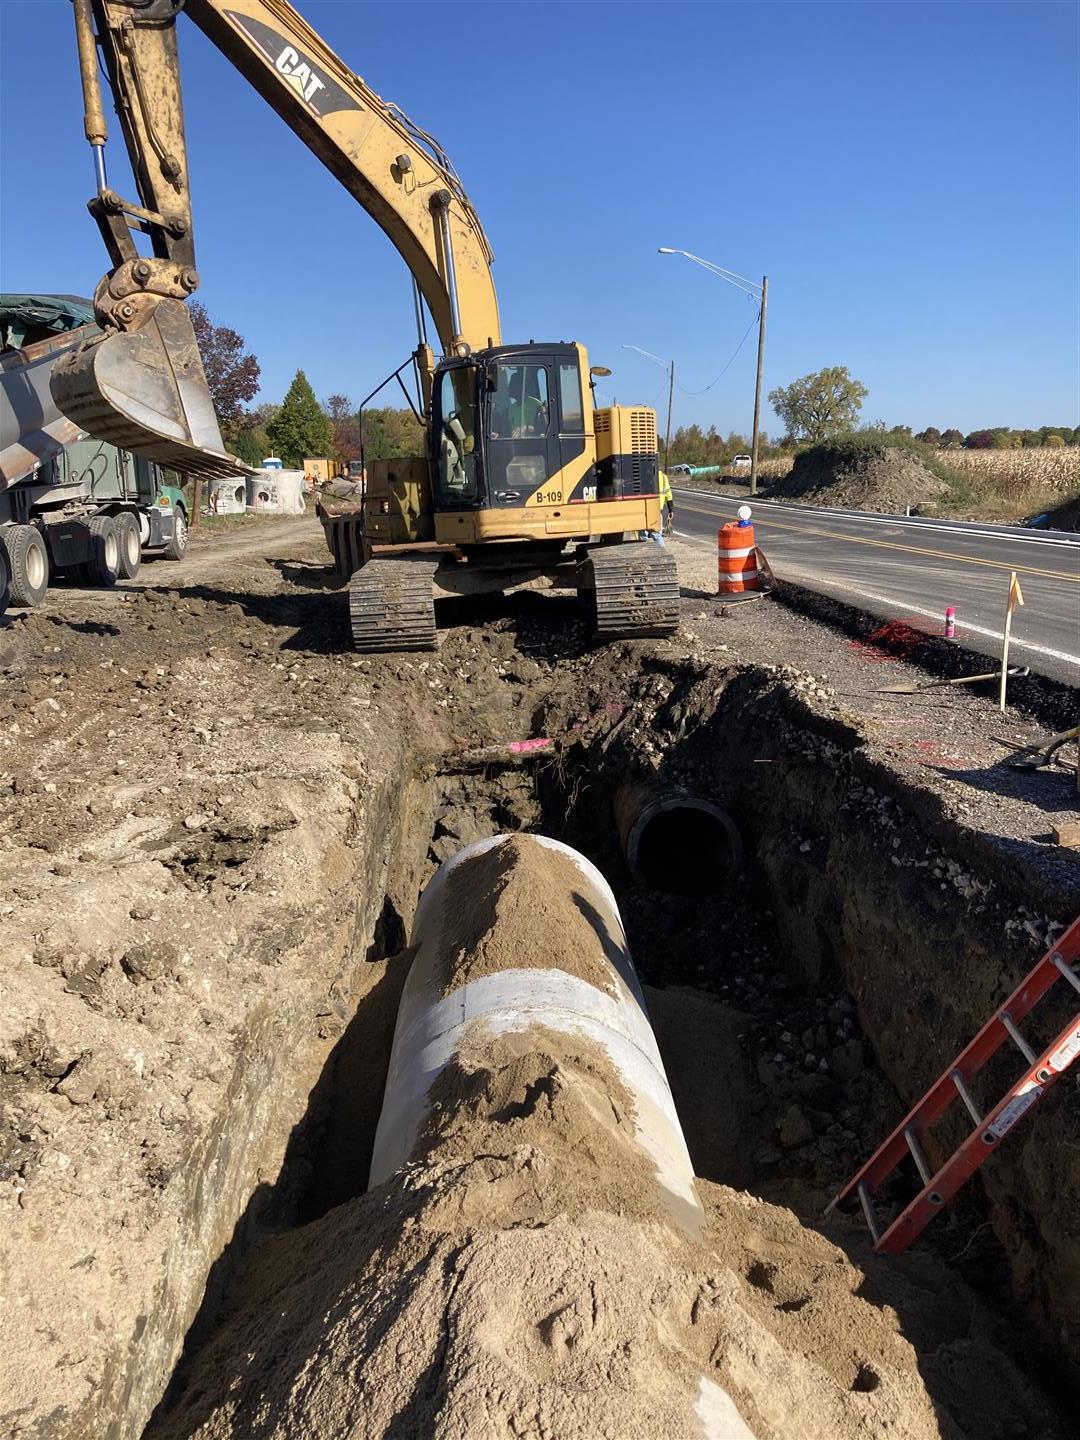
{"x":145,"y":391}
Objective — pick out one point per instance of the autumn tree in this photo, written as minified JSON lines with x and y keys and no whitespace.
{"x":345,"y":428}
{"x":952,"y":439}
{"x":819,"y":405}
{"x":300,"y":428}
{"x":930,"y":436}
{"x":232,"y":373}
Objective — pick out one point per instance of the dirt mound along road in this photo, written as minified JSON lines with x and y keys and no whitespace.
{"x":860,"y":477}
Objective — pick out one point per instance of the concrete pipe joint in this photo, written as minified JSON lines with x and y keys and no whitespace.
{"x":674,"y":841}
{"x":540,"y":986}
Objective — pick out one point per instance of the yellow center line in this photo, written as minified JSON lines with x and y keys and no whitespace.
{"x":769,"y":523}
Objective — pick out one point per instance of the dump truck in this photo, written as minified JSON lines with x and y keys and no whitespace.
{"x":70,"y":504}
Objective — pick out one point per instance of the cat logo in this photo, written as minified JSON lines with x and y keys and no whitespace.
{"x":321,"y":93}
{"x":299,"y":73}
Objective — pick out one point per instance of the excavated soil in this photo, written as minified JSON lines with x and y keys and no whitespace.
{"x":520,"y":1278}
{"x":215,"y":826}
{"x":518,"y":917}
{"x":885,"y":480}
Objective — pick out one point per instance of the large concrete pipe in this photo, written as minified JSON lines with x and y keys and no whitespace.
{"x":675,"y":841}
{"x":432,"y":1024}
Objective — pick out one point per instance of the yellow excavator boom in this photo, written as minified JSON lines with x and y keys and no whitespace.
{"x":141,"y":384}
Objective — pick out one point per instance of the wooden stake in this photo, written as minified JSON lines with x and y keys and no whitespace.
{"x":1015,"y":598}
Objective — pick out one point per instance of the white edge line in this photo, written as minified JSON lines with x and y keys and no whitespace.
{"x":893,"y":601}
{"x":934,"y":527}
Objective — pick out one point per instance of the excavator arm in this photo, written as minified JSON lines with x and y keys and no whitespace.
{"x":141,"y":385}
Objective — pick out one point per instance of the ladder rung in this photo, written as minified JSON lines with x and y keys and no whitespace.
{"x":917,"y":1154}
{"x":868,"y":1211}
{"x":965,"y":1096}
{"x":1066,"y":970}
{"x":1017,"y":1039}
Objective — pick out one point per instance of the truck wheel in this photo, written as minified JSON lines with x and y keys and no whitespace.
{"x":5,"y":580}
{"x":28,"y":561}
{"x":103,"y":567}
{"x":176,"y":549}
{"x":129,"y":544}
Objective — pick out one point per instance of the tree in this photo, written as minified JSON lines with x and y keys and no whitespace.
{"x":979,"y":440}
{"x":389,"y":434}
{"x":231,"y":374}
{"x":1055,"y":441}
{"x":951,"y":439}
{"x":249,"y":438}
{"x":346,"y":428}
{"x":817,"y":406}
{"x":300,"y":428}
{"x":930,"y":436}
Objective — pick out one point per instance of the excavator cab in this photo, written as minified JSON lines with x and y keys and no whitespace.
{"x":511,"y":432}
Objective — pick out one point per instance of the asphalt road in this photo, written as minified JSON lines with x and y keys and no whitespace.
{"x":911,"y":569}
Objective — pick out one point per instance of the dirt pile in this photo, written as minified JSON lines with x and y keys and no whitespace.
{"x":1065,"y":516}
{"x":516,"y":906}
{"x":860,"y":477}
{"x":519,"y":1278}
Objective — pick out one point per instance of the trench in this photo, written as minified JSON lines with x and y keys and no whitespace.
{"x":787,"y":919}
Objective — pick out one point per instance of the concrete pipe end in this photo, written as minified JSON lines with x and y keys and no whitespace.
{"x":681,"y":844}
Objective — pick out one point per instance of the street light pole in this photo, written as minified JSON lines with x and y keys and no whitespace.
{"x":670,"y":399}
{"x":757,"y":387}
{"x":756,"y":292}
{"x":669,"y":366}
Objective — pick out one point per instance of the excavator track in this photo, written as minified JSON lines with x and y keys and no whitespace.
{"x":391,"y":606}
{"x":636,"y":590}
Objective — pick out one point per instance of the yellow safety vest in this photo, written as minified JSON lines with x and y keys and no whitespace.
{"x":666,"y":497}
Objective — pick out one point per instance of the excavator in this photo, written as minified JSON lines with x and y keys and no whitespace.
{"x":522,"y":476}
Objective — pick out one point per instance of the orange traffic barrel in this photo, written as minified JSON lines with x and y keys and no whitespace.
{"x":736,"y":559}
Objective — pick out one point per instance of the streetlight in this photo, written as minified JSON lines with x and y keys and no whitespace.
{"x":756,"y":292}
{"x":669,"y":366}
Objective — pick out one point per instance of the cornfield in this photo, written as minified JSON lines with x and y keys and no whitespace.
{"x":1051,"y":468}
{"x":777,"y":467}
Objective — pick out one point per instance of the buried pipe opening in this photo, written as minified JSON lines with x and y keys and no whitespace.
{"x":677,"y":843}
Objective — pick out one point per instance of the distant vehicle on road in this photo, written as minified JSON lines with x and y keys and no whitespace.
{"x":679,"y":470}
{"x":740,"y":463}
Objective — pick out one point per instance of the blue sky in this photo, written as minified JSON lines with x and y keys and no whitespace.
{"x":906,"y":174}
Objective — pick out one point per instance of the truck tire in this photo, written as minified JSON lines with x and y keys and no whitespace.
{"x":103,"y":567}
{"x":28,"y":562}
{"x":5,"y":580}
{"x":129,"y":544}
{"x":176,"y":549}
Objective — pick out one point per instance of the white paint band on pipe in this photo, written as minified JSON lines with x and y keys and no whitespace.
{"x":432,"y":1027}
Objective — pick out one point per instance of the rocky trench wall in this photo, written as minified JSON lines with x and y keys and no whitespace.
{"x":875,"y":883}
{"x":878,"y":884}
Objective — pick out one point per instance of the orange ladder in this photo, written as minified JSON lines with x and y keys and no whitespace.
{"x":938,"y":1187}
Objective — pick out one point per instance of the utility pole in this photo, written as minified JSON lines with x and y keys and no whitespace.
{"x":670,"y":398}
{"x":757,"y":388}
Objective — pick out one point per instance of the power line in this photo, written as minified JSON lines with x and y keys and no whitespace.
{"x":729,"y":364}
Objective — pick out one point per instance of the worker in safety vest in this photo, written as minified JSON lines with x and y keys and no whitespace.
{"x":667,"y":504}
